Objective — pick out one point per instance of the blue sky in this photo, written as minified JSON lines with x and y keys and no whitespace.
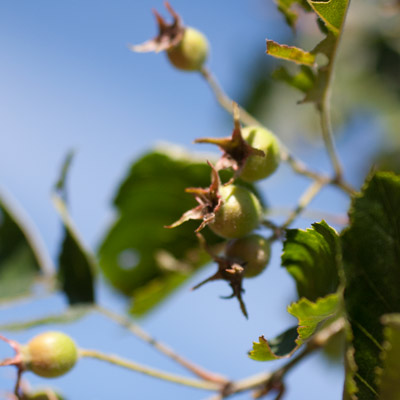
{"x":68,"y":81}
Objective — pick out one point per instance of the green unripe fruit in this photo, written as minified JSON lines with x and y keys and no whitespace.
{"x":239,"y":214}
{"x":257,"y":167}
{"x":50,"y":354}
{"x":253,"y":252}
{"x":191,"y":52}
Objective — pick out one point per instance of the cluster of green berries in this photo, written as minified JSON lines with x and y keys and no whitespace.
{"x":230,"y":210}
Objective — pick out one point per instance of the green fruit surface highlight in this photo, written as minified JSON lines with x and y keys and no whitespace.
{"x":257,"y":167}
{"x":239,"y":214}
{"x":191,"y":52}
{"x":50,"y":354}
{"x":252,"y":252}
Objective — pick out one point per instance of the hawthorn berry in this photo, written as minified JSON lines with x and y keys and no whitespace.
{"x":186,"y":47}
{"x":231,"y":211}
{"x":50,"y":354}
{"x":252,"y":252}
{"x":191,"y":52}
{"x":255,"y":167}
{"x":239,"y":213}
{"x":252,"y":152}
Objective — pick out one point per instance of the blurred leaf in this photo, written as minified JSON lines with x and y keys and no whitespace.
{"x":71,"y":315}
{"x":290,"y":53}
{"x":313,"y":259}
{"x":371,"y":254}
{"x":389,"y":374}
{"x":303,"y":80}
{"x":77,"y":265}
{"x":287,"y":9}
{"x":332,"y":12}
{"x":152,"y":196}
{"x":310,"y":315}
{"x":388,"y":161}
{"x":22,"y":258}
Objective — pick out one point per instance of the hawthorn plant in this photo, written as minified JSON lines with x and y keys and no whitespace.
{"x":347,"y":282}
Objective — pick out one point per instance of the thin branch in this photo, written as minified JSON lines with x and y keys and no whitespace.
{"x":247,"y":119}
{"x":224,"y":100}
{"x":121,"y":362}
{"x":313,"y":214}
{"x":327,"y":136}
{"x":325,"y":112}
{"x":304,"y":201}
{"x":315,"y":343}
{"x":161,"y":347}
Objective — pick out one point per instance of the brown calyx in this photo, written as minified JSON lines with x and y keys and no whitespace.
{"x":169,"y":34}
{"x":235,"y":150}
{"x":209,"y":203}
{"x":229,"y":271}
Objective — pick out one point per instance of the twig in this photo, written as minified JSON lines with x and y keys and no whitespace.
{"x":200,"y":384}
{"x":224,"y":100}
{"x":263,"y":379}
{"x":161,"y":347}
{"x":247,"y":119}
{"x":308,"y":213}
{"x":304,"y":201}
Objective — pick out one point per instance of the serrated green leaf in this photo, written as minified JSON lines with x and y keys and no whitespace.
{"x":302,"y":80}
{"x":77,"y":265}
{"x":152,"y":196}
{"x":389,"y":375}
{"x":71,"y":315}
{"x":310,"y":315}
{"x":290,"y":53}
{"x":371,"y":254}
{"x":313,"y":259}
{"x":22,"y":257}
{"x":332,"y":12}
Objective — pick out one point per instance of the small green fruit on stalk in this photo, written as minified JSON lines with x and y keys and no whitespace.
{"x":231,"y":211}
{"x":191,"y":52}
{"x":255,"y":167}
{"x":252,"y":152}
{"x":252,"y":252}
{"x":239,"y":214}
{"x":186,"y":47}
{"x":50,"y":354}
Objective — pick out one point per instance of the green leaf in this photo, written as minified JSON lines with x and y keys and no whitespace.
{"x":371,"y":254}
{"x":332,"y":12}
{"x":310,"y":315}
{"x":152,"y":196}
{"x":290,"y":53}
{"x":303,"y":80}
{"x":77,"y":265}
{"x":23,"y":259}
{"x":389,"y":374}
{"x":313,"y":259}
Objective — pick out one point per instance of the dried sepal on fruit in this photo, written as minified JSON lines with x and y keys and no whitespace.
{"x":230,"y":211}
{"x":252,"y":152}
{"x":186,"y":47}
{"x":234,"y":148}
{"x":229,"y":271}
{"x":169,"y":35}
